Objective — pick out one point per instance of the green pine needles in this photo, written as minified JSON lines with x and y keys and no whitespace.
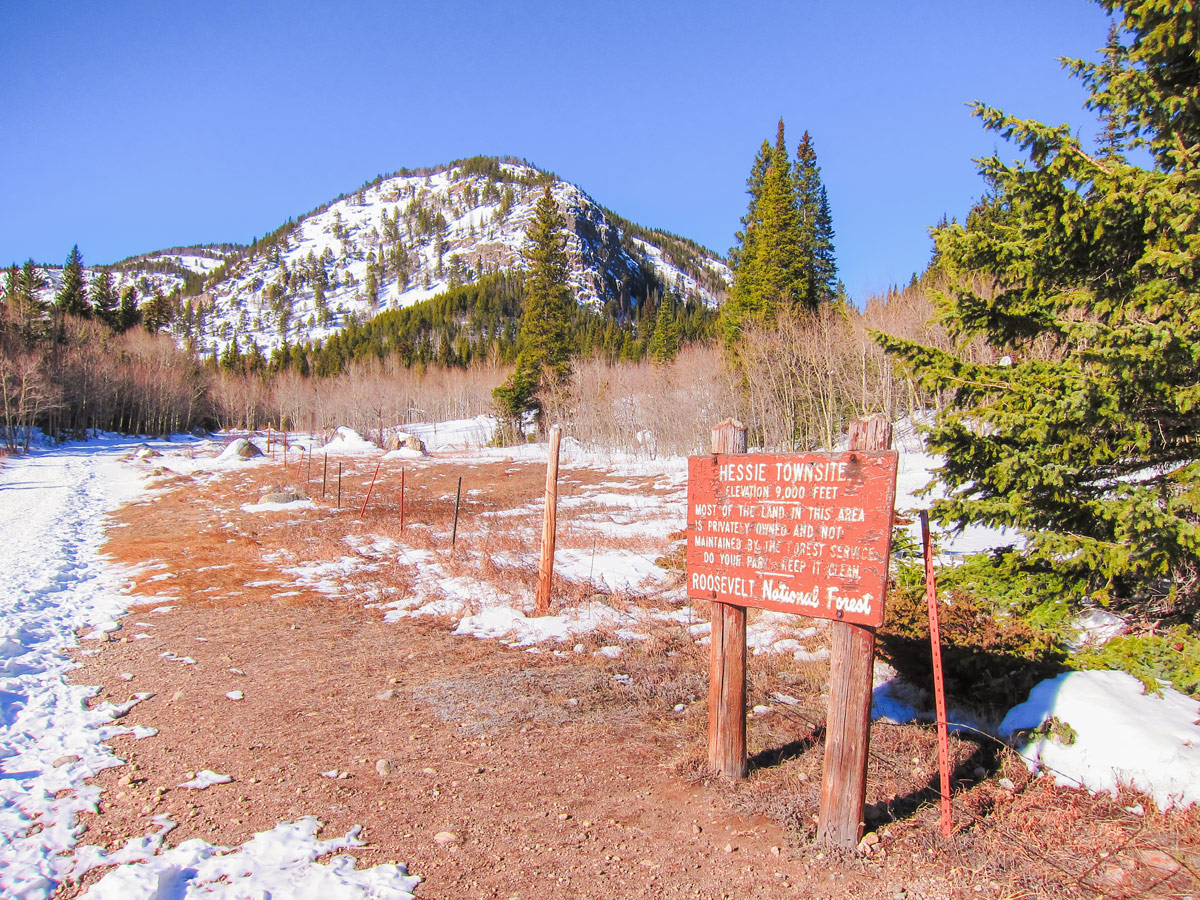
{"x":1080,"y":271}
{"x":784,"y":259}
{"x":546,"y":348}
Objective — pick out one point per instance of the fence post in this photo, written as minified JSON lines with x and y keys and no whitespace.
{"x":367,"y":499}
{"x":549,"y":526}
{"x":848,"y":726}
{"x":727,"y":655}
{"x":457,"y":503}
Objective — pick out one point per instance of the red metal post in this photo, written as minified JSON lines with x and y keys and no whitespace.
{"x":363,"y":511}
{"x":939,"y":685}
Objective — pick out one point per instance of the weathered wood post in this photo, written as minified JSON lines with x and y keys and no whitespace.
{"x":848,"y":726}
{"x":402,"y":499}
{"x":549,"y":526}
{"x":727,"y":655}
{"x":324,"y":475}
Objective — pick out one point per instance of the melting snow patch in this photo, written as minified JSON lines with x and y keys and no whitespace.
{"x":277,"y":507}
{"x":276,"y":863}
{"x":506,"y":622}
{"x":1118,"y":734}
{"x":205,"y":779}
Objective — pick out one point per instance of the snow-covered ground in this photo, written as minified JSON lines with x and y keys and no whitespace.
{"x":54,"y":582}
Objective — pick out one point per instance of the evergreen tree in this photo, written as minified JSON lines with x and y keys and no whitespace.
{"x":104,"y":299}
{"x":1083,"y":435}
{"x":128,"y":314}
{"x":27,"y":303}
{"x":665,"y":341}
{"x":545,"y":339}
{"x":157,"y":312}
{"x":816,"y":229}
{"x":768,"y":276}
{"x":72,"y":297}
{"x":783,"y":259}
{"x":231,"y":359}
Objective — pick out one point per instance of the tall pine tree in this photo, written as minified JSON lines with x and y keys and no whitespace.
{"x":816,"y":226}
{"x":1083,"y":435}
{"x":544,"y":357}
{"x":768,"y":274}
{"x":667,"y":335}
{"x":72,"y":297}
{"x":104,"y":299}
{"x":27,"y":303}
{"x":783,"y":260}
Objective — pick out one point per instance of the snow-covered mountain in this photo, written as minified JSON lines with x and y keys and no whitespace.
{"x":405,"y":238}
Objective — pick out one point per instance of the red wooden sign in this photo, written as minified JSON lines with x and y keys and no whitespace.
{"x":798,"y":533}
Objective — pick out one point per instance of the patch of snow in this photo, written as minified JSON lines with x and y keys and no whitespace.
{"x":348,"y":441}
{"x":1122,"y":735}
{"x":521,"y":630}
{"x":206,"y":779}
{"x":1097,"y":627}
{"x":277,"y":863}
{"x":278,"y":507}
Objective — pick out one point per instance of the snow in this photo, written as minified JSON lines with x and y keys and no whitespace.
{"x":205,"y":779}
{"x":915,"y":472}
{"x":276,"y":863}
{"x":54,"y":582}
{"x":1123,"y":735}
{"x":347,"y":441}
{"x":304,"y":503}
{"x":460,"y":434}
{"x":522,"y":631}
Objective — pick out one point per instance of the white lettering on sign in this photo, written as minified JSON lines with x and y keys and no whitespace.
{"x":743,"y":472}
{"x":810,"y":471}
{"x":779,"y":593}
{"x":834,"y":599}
{"x":723,"y":584}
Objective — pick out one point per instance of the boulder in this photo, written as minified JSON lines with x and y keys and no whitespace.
{"x":242,"y":449}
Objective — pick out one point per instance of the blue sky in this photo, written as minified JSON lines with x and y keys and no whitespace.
{"x":131,"y":127}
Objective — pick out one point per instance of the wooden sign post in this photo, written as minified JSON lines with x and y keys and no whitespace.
{"x":549,"y":526}
{"x":851,"y":679}
{"x":802,"y":533}
{"x":727,"y":652}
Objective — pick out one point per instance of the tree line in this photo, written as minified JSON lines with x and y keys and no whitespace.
{"x":90,"y":359}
